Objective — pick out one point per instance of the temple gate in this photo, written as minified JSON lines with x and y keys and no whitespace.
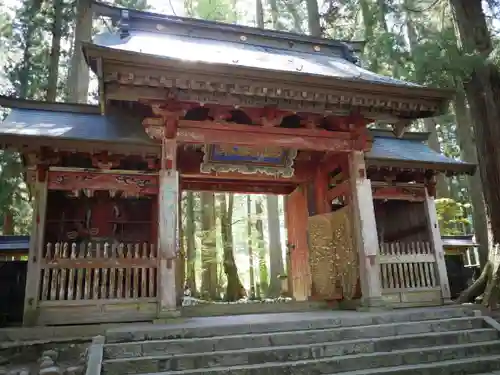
{"x":290,"y":119}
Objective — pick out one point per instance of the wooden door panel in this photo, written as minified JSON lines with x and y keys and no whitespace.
{"x":297,"y":215}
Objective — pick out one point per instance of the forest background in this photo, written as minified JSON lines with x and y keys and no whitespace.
{"x":235,"y":245}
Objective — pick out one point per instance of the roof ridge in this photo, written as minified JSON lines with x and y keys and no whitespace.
{"x":117,"y":14}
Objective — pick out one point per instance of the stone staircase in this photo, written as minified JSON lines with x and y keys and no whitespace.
{"x":447,"y":341}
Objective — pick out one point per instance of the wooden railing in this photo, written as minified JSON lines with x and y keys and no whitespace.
{"x":96,"y":271}
{"x":409,"y":266}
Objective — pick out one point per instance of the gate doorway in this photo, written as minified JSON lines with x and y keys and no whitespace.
{"x":233,"y":248}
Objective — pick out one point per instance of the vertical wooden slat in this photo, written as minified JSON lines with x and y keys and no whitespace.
{"x":401,"y":276}
{"x":421,"y":267}
{"x":390,"y":267}
{"x":72,"y":274}
{"x":96,"y":282}
{"x":112,"y":273}
{"x":428,"y":281}
{"x":120,"y":273}
{"x":152,"y":273}
{"x":87,"y":285}
{"x":411,"y":271}
{"x":53,"y":292}
{"x":144,"y":281}
{"x":104,"y":278}
{"x":80,"y":273}
{"x":135,"y":294}
{"x":64,"y":271}
{"x":46,"y":274}
{"x":406,"y":265}
{"x":128,"y":273}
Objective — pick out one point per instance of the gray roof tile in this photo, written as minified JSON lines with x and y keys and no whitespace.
{"x":122,"y":128}
{"x":225,"y":52}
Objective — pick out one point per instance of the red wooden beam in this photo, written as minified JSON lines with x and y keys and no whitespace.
{"x":341,"y":189}
{"x":399,"y":193}
{"x":146,"y":184}
{"x":209,"y":132}
{"x":189,"y":162}
{"x":323,"y":205}
{"x":237,"y":187}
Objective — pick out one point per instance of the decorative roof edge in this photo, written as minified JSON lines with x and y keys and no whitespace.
{"x":10,"y":102}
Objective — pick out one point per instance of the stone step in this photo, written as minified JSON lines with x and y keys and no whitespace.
{"x":267,"y":340}
{"x":487,"y":365}
{"x":316,"y":366}
{"x":302,"y":352}
{"x":241,"y":325}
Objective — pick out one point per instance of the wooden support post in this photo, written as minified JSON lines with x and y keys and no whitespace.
{"x":365,"y":231}
{"x":167,"y":230}
{"x":298,"y":244}
{"x":323,"y":205}
{"x":36,"y":249}
{"x":437,"y":245}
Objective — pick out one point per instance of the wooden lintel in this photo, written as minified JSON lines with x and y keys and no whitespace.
{"x":341,"y":189}
{"x":189,"y":167}
{"x":207,"y":132}
{"x":405,"y":192}
{"x":237,"y":187}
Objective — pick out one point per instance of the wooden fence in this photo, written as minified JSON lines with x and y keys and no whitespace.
{"x":408,"y":273}
{"x":98,"y":274}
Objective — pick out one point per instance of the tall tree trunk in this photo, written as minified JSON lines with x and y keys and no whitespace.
{"x":55,"y":51}
{"x":209,"y":275}
{"x":259,"y":14}
{"x":297,"y":20}
{"x":234,"y":288}
{"x":469,"y":154}
{"x":429,"y":123}
{"x":8,"y":222}
{"x":250,"y":247}
{"x":261,"y":246}
{"x":381,"y":13}
{"x":313,"y":18}
{"x":275,"y":251}
{"x":25,"y":71}
{"x":275,"y":13}
{"x":482,"y":90}
{"x":189,"y":235}
{"x":78,"y":80}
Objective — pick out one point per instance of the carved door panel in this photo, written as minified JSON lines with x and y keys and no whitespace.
{"x":333,"y":258}
{"x":296,"y":221}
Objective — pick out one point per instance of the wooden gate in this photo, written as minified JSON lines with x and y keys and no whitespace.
{"x":296,"y":223}
{"x":97,"y":282}
{"x":408,"y":274}
{"x":333,"y":257}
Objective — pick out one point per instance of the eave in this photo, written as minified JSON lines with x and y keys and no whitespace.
{"x":406,"y":102}
{"x":448,"y":169}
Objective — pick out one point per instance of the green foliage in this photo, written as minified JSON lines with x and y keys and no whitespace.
{"x":452,"y":216}
{"x":14,"y":195}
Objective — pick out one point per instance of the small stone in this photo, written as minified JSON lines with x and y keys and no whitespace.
{"x":46,"y":362}
{"x":74,"y":370}
{"x":53,"y":370}
{"x":24,"y":372}
{"x":52,"y":354}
